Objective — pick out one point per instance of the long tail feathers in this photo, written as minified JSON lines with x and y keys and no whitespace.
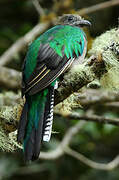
{"x":23,"y":123}
{"x":35,"y":124}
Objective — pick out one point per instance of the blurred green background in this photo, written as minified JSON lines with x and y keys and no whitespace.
{"x":97,"y":142}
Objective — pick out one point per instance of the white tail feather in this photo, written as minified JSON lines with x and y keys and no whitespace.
{"x":49,"y":120}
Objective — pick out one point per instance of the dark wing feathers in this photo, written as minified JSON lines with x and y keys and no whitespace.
{"x":48,"y":56}
{"x":49,"y":77}
{"x":49,"y":66}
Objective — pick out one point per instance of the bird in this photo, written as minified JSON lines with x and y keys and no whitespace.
{"x":49,"y":56}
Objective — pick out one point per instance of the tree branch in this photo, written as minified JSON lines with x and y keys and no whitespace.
{"x":10,"y":78}
{"x":94,"y":118}
{"x":21,"y":43}
{"x":101,"y":166}
{"x":74,"y":80}
{"x":38,"y":7}
{"x":96,"y":96}
{"x":98,"y":7}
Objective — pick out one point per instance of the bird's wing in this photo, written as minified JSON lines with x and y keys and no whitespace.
{"x":49,"y":66}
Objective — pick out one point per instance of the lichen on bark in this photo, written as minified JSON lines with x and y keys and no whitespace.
{"x":107,"y":46}
{"x":98,"y":71}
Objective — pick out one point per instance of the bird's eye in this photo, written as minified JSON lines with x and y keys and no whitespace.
{"x":70,"y":18}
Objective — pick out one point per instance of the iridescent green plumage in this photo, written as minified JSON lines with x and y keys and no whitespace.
{"x":47,"y":58}
{"x":68,"y":37}
{"x":37,"y":105}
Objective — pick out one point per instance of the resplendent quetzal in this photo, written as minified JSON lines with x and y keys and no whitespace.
{"x":47,"y":58}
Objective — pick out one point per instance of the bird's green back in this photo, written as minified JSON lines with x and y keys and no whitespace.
{"x":60,"y":37}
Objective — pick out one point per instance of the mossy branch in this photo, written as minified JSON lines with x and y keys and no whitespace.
{"x":98,"y":71}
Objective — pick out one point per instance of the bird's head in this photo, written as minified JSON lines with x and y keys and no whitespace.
{"x":73,"y":20}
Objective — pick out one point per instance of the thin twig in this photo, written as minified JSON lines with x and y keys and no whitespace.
{"x":98,"y":7}
{"x":38,"y":7}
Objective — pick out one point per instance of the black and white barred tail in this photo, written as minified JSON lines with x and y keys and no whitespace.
{"x":48,"y":116}
{"x":33,"y":137}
